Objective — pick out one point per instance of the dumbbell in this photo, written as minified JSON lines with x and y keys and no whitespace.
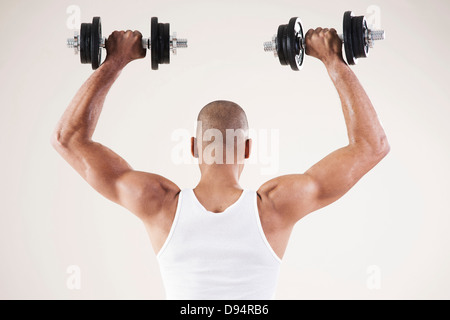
{"x":289,"y":42}
{"x":89,"y":42}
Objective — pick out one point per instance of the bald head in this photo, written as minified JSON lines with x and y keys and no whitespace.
{"x":222,"y":115}
{"x":222,"y":132}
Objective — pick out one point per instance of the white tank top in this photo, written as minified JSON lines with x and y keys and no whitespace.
{"x":217,"y":256}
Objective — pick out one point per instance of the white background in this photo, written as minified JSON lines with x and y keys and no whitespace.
{"x":396,"y":218}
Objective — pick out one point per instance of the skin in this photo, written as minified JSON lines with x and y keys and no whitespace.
{"x":282,"y":201}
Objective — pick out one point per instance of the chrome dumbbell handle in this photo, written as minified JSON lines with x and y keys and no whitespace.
{"x":74,"y":42}
{"x":374,"y":35}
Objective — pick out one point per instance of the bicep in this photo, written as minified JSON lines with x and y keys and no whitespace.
{"x":291,"y":196}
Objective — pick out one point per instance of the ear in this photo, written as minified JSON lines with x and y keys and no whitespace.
{"x":248,"y":148}
{"x":194,"y":150}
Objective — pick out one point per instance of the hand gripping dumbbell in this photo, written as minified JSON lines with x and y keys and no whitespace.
{"x":89,"y":42}
{"x":289,"y":43}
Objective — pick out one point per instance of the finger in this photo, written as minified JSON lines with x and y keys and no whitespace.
{"x":307,"y":50}
{"x":309,"y":33}
{"x":113,"y":35}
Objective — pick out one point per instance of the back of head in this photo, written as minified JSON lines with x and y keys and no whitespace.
{"x":222,"y":130}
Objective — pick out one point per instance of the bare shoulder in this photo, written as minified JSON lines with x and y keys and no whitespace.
{"x":147,"y":194}
{"x":154,"y":199}
{"x":290,"y":197}
{"x":289,"y":192}
{"x":281,"y":203}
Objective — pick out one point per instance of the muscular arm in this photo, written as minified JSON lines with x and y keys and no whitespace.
{"x":109,"y":174}
{"x":294,"y":196}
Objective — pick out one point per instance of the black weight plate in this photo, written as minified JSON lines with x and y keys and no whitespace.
{"x":365,"y":44}
{"x":358,"y":42}
{"x":294,"y":34}
{"x":154,"y":42}
{"x":299,"y":43}
{"x":280,"y":51}
{"x":284,"y":44}
{"x":166,"y":43}
{"x":290,"y":38}
{"x":348,"y":46}
{"x":82,"y":40}
{"x":96,"y":35}
{"x":160,"y":42}
{"x":87,"y":43}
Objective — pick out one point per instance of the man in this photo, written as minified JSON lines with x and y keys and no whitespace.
{"x":219,"y":241}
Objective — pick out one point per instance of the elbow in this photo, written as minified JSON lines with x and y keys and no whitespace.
{"x":56,"y":140}
{"x":384,"y":147}
{"x":375,"y":150}
{"x":61,"y":141}
{"x":380,"y":149}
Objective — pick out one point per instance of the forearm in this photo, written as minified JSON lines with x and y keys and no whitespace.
{"x":363,"y":127}
{"x":81,"y":116}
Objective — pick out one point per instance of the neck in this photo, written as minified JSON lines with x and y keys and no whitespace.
{"x":219,"y":177}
